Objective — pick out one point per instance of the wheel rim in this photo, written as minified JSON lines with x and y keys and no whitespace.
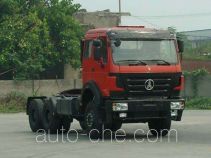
{"x":89,"y":119}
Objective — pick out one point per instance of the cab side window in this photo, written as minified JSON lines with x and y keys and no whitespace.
{"x":103,"y":50}
{"x":88,"y":49}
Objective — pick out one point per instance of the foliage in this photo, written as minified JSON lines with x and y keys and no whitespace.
{"x":196,"y":76}
{"x":13,"y":102}
{"x":37,"y":34}
{"x":201,"y":52}
{"x":197,"y":73}
{"x":199,"y":103}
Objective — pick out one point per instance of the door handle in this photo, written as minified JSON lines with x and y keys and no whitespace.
{"x":92,"y":69}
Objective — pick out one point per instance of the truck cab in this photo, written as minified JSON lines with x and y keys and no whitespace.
{"x":135,"y":74}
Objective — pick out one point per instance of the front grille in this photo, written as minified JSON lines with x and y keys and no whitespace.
{"x":137,"y":86}
{"x":134,"y":84}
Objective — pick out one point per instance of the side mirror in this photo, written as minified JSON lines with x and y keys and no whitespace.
{"x":117,"y":42}
{"x":180,"y":45}
{"x":97,"y":43}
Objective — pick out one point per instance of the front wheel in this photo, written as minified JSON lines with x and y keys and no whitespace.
{"x":93,"y":121}
{"x":114,"y":126}
{"x":160,"y":127}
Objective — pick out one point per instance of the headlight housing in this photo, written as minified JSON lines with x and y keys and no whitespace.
{"x":177,"y":105}
{"x":120,"y":106}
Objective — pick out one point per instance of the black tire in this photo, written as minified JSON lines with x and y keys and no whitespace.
{"x":160,"y":127}
{"x":93,"y":121}
{"x":116,"y":126}
{"x":83,"y":125}
{"x":66,"y":123}
{"x":51,"y":121}
{"x":35,"y":114}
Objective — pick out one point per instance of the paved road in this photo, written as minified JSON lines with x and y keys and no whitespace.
{"x":193,"y":140}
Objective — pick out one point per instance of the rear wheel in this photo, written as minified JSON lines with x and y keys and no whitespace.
{"x":66,"y":123}
{"x":51,"y":121}
{"x":35,"y":114}
{"x":83,"y":125}
{"x":160,"y":127}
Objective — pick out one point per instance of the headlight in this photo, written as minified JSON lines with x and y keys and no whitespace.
{"x":120,"y":106}
{"x":177,"y":105}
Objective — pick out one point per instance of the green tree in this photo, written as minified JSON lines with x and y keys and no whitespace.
{"x":38,"y":33}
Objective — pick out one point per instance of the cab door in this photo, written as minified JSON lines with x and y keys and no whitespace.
{"x":100,"y":67}
{"x":87,"y":61}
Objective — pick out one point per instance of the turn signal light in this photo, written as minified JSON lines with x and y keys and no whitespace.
{"x":181,"y":85}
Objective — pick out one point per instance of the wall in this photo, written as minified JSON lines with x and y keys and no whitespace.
{"x":43,"y":87}
{"x":50,"y":87}
{"x":98,"y":19}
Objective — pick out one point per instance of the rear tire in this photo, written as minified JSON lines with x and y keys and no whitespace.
{"x":160,"y":127}
{"x":66,"y":123}
{"x":51,"y":121}
{"x":35,"y":114}
{"x":83,"y":125}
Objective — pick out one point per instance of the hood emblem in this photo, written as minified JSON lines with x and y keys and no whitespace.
{"x":149,"y":69}
{"x":149,"y":84}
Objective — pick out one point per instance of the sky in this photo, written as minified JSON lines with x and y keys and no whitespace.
{"x":184,"y":15}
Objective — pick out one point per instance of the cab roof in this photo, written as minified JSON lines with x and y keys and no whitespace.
{"x":133,"y":32}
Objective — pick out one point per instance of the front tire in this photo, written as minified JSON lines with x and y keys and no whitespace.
{"x":116,"y":126}
{"x":93,"y":121}
{"x":160,"y":127}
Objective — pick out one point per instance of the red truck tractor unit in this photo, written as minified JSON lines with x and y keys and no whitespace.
{"x":129,"y":74}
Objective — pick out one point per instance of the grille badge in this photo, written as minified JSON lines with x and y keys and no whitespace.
{"x":149,"y":84}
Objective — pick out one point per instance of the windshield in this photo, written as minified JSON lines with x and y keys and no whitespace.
{"x":146,"y":51}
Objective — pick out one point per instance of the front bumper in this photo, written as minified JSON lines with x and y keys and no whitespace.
{"x":143,"y":110}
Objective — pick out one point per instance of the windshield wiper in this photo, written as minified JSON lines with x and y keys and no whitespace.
{"x":132,"y":62}
{"x":163,"y":62}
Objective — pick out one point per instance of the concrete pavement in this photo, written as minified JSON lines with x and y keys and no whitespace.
{"x":191,"y":139}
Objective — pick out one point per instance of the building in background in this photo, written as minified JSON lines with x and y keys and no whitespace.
{"x":199,"y":42}
{"x":98,"y":19}
{"x":198,"y":37}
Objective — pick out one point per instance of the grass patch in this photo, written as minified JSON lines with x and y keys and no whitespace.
{"x":198,"y":104}
{"x":191,"y":56}
{"x":13,"y":103}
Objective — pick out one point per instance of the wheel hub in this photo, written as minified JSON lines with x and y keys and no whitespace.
{"x":89,"y":119}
